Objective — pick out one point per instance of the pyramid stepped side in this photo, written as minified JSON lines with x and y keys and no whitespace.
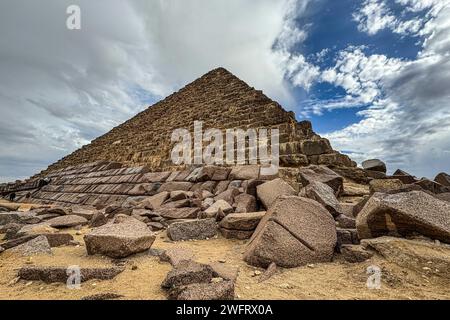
{"x":221,"y":101}
{"x":106,"y":183}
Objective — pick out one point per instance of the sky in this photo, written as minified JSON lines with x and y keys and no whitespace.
{"x":373,"y":76}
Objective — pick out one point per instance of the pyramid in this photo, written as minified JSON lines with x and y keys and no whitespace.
{"x":218,"y":99}
{"x":133,"y":156}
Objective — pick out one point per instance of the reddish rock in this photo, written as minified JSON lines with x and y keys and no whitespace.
{"x":268,"y":192}
{"x":404,"y":214}
{"x":294,"y":232}
{"x":321,"y":174}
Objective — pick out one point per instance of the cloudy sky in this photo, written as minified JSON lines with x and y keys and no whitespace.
{"x":372,"y":75}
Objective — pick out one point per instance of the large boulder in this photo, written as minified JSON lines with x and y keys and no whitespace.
{"x":218,"y":206}
{"x":120,"y":239}
{"x":322,"y":174}
{"x":404,"y":176}
{"x":242,"y":221}
{"x":192,"y":229}
{"x":84,"y":211}
{"x":268,"y":192}
{"x":432,"y":186}
{"x":240,"y":225}
{"x":176,"y":255}
{"x":404,"y":214}
{"x":315,"y":147}
{"x":67,"y":221}
{"x":294,"y":232}
{"x":61,"y":274}
{"x":38,"y":245}
{"x":374,"y":165}
{"x":188,"y":272}
{"x":323,"y":194}
{"x":443,"y":179}
{"x":245,"y":203}
{"x":19,"y":217}
{"x":54,"y":236}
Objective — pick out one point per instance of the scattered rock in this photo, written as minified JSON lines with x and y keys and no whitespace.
{"x":242,"y":221}
{"x":17,"y":241}
{"x":245,"y":203}
{"x":154,"y":202}
{"x":61,"y":274}
{"x":176,"y":255}
{"x":323,"y":194}
{"x":346,"y":236}
{"x":346,"y":222}
{"x":66,"y":221}
{"x":294,"y":232}
{"x":114,"y":210}
{"x":58,"y":211}
{"x":10,"y":230}
{"x":84,"y":211}
{"x":19,"y":217}
{"x":443,"y":178}
{"x":321,"y":174}
{"x":269,"y":191}
{"x":385,"y":185}
{"x":180,"y":195}
{"x":119,"y":240}
{"x":188,"y":272}
{"x":223,"y":290}
{"x":355,"y":253}
{"x":54,"y":237}
{"x":38,"y":245}
{"x":404,"y":214}
{"x":228,"y":195}
{"x":357,"y":175}
{"x":226,"y":272}
{"x":192,"y":229}
{"x":374,"y":165}
{"x":404,"y":177}
{"x":98,"y":220}
{"x":2,"y":249}
{"x":432,"y":186}
{"x":155,"y":226}
{"x":222,"y":205}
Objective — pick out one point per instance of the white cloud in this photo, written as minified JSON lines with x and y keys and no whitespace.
{"x":360,"y":75}
{"x":408,"y":124}
{"x":59,"y":89}
{"x":376,"y":15}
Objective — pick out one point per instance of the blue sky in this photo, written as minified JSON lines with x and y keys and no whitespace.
{"x":372,"y":75}
{"x":333,"y":28}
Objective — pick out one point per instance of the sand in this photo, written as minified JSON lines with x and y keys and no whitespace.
{"x":336,"y":280}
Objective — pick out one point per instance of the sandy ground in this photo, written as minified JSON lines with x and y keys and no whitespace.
{"x":336,"y":280}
